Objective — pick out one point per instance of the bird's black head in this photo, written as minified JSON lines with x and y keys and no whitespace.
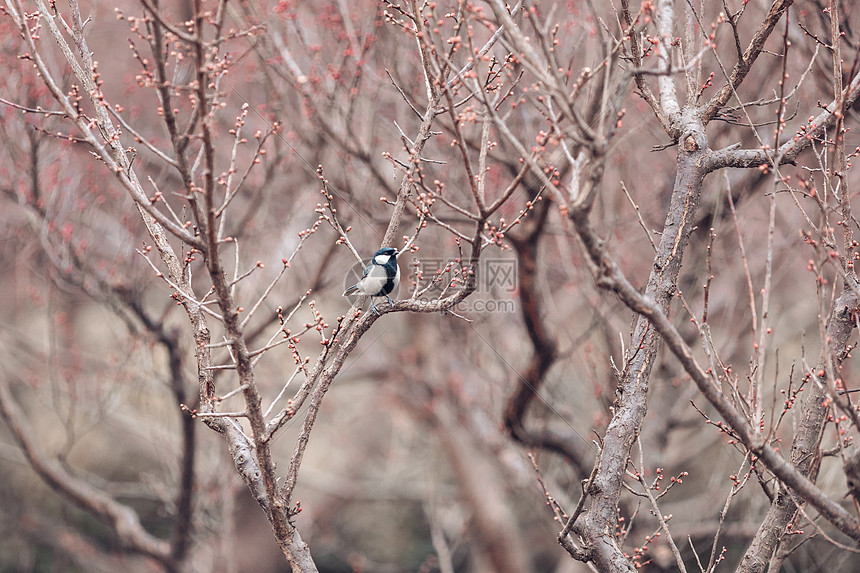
{"x":386,"y":257}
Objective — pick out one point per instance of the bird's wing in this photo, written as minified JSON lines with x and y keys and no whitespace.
{"x":373,"y":280}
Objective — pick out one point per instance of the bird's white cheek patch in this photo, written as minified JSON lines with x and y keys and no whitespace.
{"x":381,"y":259}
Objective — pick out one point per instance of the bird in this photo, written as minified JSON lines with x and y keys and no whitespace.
{"x":380,"y":277}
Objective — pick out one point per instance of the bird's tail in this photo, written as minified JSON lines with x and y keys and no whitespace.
{"x":351,"y":290}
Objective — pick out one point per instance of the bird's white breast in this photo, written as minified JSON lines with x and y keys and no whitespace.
{"x":373,"y":282}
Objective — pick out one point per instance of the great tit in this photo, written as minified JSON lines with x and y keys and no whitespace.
{"x":380,"y":277}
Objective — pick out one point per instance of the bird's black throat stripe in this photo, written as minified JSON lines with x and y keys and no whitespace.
{"x":387,"y":287}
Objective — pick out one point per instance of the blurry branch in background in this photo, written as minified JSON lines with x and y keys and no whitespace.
{"x":71,"y":268}
{"x":121,"y":517}
{"x":584,"y":135}
{"x":545,"y":350}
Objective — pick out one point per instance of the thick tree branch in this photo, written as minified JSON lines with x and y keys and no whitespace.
{"x":631,"y":405}
{"x":788,"y":152}
{"x":746,"y":61}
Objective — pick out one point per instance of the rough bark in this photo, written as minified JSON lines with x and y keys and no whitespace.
{"x":631,"y":403}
